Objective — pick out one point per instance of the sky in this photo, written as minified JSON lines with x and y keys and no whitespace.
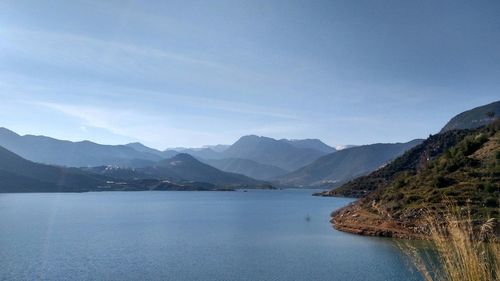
{"x":191,"y":73}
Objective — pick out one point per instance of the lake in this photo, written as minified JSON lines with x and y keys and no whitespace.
{"x":255,"y":235}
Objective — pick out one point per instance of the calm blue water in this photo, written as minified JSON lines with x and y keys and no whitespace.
{"x":255,"y":235}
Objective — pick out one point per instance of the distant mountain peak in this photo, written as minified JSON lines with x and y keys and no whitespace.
{"x":183,"y":157}
{"x":252,"y":138}
{"x":135,"y":144}
{"x":282,"y":154}
{"x":315,"y":144}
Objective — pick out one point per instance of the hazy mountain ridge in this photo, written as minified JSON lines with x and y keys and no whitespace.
{"x":217,"y":147}
{"x":315,"y":144}
{"x":246,"y":167}
{"x":262,"y":153}
{"x":181,"y":172}
{"x":272,"y":152}
{"x":260,"y":157}
{"x":21,"y":175}
{"x":185,"y":167}
{"x":410,"y":161}
{"x":338,"y":167}
{"x":52,"y":151}
{"x":204,"y":152}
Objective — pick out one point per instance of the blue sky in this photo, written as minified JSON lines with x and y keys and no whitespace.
{"x":189,"y":73}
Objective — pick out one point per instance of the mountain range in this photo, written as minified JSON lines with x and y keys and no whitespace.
{"x":52,"y":151}
{"x":181,"y":172}
{"x":336,"y":168}
{"x":246,"y":167}
{"x":252,"y":161}
{"x":258,"y":157}
{"x":20,"y":175}
{"x":284,"y":154}
{"x":185,"y":167}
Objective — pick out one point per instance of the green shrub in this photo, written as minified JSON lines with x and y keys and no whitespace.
{"x":413,"y":198}
{"x":490,"y":188}
{"x":441,"y":181}
{"x":491,"y":202}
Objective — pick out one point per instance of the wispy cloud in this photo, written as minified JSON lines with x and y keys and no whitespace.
{"x":74,"y":92}
{"x":149,"y":129}
{"x":217,"y":104}
{"x":95,"y":116}
{"x":80,"y":47}
{"x":154,"y":129}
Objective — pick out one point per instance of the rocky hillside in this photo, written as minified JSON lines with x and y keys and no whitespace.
{"x":461,"y":167}
{"x":409,"y":162}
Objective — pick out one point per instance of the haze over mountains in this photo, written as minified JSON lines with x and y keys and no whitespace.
{"x":20,"y":175}
{"x":48,"y":150}
{"x":182,"y":166}
{"x":287,"y":155}
{"x":247,"y":167}
{"x":258,"y":157}
{"x":338,"y":167}
{"x":252,"y":161}
{"x":181,"y":172}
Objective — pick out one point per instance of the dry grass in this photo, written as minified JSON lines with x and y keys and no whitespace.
{"x":459,"y":249}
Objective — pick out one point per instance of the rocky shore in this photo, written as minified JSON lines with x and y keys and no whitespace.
{"x":356,"y":219}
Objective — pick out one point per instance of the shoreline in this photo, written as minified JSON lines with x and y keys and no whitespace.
{"x":356,"y":220}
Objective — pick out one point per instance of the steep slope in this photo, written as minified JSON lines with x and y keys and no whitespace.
{"x":186,"y":167}
{"x":245,"y":167}
{"x":474,"y":118}
{"x":462,"y":167}
{"x":47,"y":150}
{"x":338,"y":167}
{"x":20,"y":175}
{"x":272,"y":152}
